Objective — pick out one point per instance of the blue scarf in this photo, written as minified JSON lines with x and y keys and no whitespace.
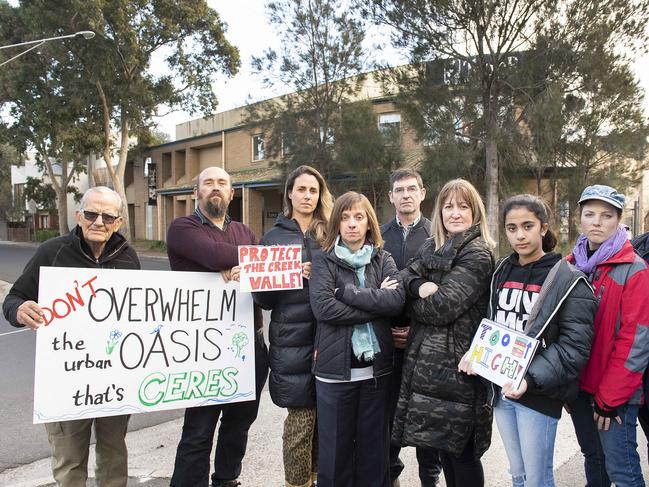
{"x":605,"y":251}
{"x":364,"y":342}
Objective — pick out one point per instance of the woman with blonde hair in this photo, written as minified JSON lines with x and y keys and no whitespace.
{"x":353,"y":294}
{"x":448,"y":285}
{"x":307,"y":206}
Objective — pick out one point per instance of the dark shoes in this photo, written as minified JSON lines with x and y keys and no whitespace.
{"x":227,"y":483}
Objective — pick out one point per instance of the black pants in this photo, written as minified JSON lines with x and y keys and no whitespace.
{"x":192,"y":466}
{"x":464,"y":470}
{"x":427,"y":458}
{"x":353,"y":433}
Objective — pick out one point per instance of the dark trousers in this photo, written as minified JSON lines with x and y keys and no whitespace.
{"x":464,"y":470}
{"x":581,"y":413}
{"x":427,"y":458}
{"x":353,"y":433}
{"x":192,"y":466}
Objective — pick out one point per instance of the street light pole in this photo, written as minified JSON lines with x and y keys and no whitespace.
{"x":86,"y":34}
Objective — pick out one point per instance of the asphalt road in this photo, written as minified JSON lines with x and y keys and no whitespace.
{"x":21,"y":441}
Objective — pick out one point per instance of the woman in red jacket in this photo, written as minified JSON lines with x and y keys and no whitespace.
{"x":605,"y":413}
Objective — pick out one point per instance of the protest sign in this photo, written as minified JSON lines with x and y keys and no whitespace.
{"x":500,"y":354}
{"x":129,"y":341}
{"x":270,"y":268}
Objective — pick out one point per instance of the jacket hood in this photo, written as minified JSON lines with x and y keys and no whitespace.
{"x":287,"y":223}
{"x":442,"y":258}
{"x":561,"y":279}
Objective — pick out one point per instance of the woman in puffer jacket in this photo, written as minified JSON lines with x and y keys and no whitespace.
{"x":448,"y":283}
{"x":535,"y":292}
{"x":353,"y":295}
{"x":307,"y":206}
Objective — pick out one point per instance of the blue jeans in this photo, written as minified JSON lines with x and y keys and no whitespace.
{"x":528,"y":436}
{"x":615,"y":449}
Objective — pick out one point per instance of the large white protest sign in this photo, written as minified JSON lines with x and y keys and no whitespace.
{"x":126,"y":341}
{"x":501,"y":355}
{"x":270,"y":268}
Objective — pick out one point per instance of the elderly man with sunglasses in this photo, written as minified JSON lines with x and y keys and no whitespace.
{"x":92,"y":243}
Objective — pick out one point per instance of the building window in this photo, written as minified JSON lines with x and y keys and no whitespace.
{"x":288,"y":144}
{"x":390,"y":127}
{"x":19,"y":196}
{"x":45,"y":221}
{"x":258,"y":147}
{"x":327,"y":138}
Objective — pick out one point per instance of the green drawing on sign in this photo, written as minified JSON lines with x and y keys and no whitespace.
{"x":239,"y":340}
{"x":113,"y":340}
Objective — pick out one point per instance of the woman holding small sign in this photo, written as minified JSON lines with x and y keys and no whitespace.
{"x":307,"y":206}
{"x":604,"y":414}
{"x":448,"y":282}
{"x":536,"y":293}
{"x":353,"y":295}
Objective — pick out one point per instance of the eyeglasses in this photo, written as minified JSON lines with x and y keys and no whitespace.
{"x":91,"y":216}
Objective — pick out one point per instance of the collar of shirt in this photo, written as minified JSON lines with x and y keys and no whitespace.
{"x":406,"y":229}
{"x":206,"y":221}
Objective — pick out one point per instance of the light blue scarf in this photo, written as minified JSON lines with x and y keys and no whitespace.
{"x":364,"y":342}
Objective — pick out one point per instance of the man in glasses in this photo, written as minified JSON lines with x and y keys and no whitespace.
{"x":92,"y":243}
{"x":404,"y":235}
{"x":207,"y":241}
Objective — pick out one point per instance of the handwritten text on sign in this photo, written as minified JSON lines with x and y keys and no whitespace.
{"x":501,"y":355}
{"x":269,"y":268}
{"x":126,"y":341}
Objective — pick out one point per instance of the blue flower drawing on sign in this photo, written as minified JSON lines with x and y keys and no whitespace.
{"x":113,"y":340}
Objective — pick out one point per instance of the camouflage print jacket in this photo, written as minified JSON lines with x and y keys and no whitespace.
{"x":438,"y":406}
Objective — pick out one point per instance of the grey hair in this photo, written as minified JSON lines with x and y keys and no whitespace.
{"x":105,"y":190}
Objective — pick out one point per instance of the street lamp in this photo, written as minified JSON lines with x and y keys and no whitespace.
{"x":86,"y":34}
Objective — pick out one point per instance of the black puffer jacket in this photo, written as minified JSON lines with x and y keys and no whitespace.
{"x":641,"y":246}
{"x":69,"y":250}
{"x":337,"y":312}
{"x":562,"y":318}
{"x":292,"y":326}
{"x":438,"y":406}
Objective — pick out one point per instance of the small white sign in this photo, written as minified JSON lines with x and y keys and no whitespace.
{"x":501,"y":355}
{"x":270,"y":267}
{"x":131,"y":341}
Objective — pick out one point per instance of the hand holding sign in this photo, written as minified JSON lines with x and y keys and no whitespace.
{"x":271,"y":268}
{"x":500,"y":355}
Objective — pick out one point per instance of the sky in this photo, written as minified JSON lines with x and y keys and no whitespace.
{"x":250,"y":32}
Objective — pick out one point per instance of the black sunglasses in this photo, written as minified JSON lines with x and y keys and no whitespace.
{"x":91,"y":216}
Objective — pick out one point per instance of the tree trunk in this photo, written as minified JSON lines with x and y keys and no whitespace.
{"x":61,"y":189}
{"x":116,"y":175}
{"x":62,"y":206}
{"x":491,"y":172}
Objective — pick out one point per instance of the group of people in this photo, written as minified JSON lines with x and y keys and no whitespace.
{"x":372,"y":353}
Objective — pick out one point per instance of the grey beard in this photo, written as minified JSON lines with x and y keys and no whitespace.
{"x":215,"y":211}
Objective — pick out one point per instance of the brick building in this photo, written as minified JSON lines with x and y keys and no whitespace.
{"x":159,"y":188}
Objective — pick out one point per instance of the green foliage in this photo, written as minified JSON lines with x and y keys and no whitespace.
{"x":8,"y":157}
{"x":321,"y":61}
{"x":501,"y":91}
{"x":85,"y":92}
{"x":43,"y":194}
{"x":365,"y":153}
{"x":44,"y":234}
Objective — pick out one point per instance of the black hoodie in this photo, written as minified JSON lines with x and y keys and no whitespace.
{"x":518,"y":289}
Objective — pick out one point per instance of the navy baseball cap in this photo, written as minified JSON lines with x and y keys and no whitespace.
{"x":603,"y":193}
